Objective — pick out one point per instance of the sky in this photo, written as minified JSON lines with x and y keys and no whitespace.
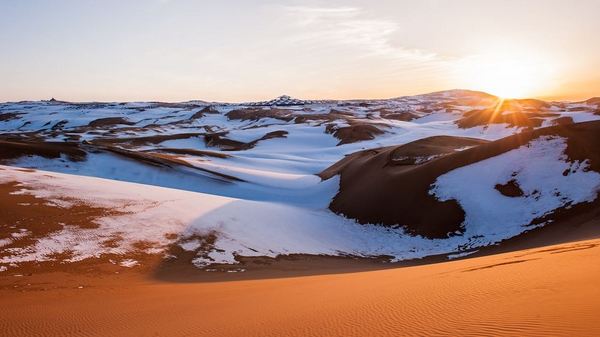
{"x":176,"y":50}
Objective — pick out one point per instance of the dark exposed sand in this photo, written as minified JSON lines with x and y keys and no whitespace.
{"x":109,"y":121}
{"x":356,"y":132}
{"x":389,"y":186}
{"x":370,"y":178}
{"x":11,"y":149}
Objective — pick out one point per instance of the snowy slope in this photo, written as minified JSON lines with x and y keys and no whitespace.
{"x":245,"y":175}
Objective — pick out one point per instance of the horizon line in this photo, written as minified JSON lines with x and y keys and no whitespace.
{"x":541,"y":98}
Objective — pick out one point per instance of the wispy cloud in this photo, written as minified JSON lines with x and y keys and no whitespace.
{"x":350,"y":26}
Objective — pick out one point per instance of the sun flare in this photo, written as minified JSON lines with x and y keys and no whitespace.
{"x":506,"y":74}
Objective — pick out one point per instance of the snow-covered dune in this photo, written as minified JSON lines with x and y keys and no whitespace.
{"x":502,"y":186}
{"x":442,"y":173}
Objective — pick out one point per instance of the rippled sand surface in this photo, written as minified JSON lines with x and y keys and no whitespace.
{"x":544,"y":291}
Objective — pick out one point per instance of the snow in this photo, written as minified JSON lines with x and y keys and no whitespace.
{"x":280,"y":207}
{"x":190,"y":245}
{"x":538,"y":169}
{"x":186,"y":143}
{"x":129,"y":263}
{"x":160,"y":217}
{"x":459,"y":255}
{"x":264,"y":185}
{"x":306,"y":150}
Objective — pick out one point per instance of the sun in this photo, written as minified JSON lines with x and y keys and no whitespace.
{"x":506,"y":74}
{"x":505,"y":78}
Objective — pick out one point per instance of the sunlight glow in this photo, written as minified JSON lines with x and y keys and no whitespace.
{"x":508,"y":74}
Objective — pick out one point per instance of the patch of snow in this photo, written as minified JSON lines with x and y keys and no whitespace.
{"x":190,"y":245}
{"x":459,"y":255}
{"x":128,"y":263}
{"x":538,"y":169}
{"x":21,"y":234}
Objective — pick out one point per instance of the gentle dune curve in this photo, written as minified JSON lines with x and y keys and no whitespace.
{"x":550,"y":291}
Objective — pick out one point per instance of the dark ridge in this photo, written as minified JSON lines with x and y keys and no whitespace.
{"x":562,"y":120}
{"x":156,"y":159}
{"x":353,"y":133}
{"x":9,"y":116}
{"x":147,"y":139}
{"x":375,"y":189}
{"x":108,"y":121}
{"x":10,"y":149}
{"x":255,"y":114}
{"x":220,"y":141}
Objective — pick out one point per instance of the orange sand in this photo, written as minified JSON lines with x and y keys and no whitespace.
{"x":544,"y":291}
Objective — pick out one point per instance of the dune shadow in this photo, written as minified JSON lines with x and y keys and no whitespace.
{"x":182,"y":270}
{"x":572,"y":248}
{"x":498,"y":265}
{"x":562,"y":249}
{"x":180,"y":267}
{"x":180,"y":264}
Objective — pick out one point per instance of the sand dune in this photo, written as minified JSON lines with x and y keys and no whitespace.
{"x":550,"y":291}
{"x":11,"y":149}
{"x":515,"y":185}
{"x":212,"y":219}
{"x":370,"y":178}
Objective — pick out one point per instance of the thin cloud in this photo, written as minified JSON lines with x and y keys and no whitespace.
{"x":349,"y":26}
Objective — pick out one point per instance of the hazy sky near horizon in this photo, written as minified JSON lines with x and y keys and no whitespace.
{"x":175,"y":50}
